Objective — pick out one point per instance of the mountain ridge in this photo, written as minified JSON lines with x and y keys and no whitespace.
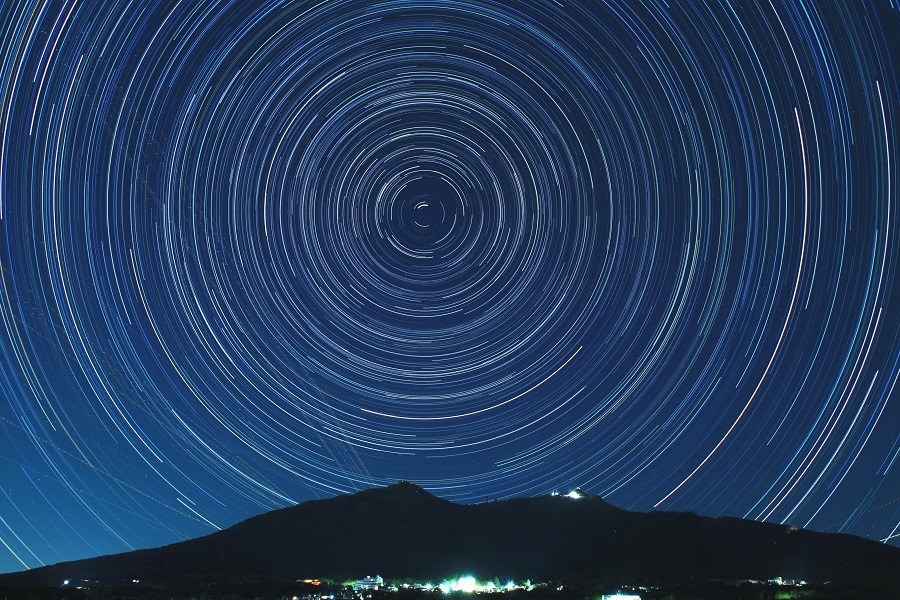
{"x":404,"y":531}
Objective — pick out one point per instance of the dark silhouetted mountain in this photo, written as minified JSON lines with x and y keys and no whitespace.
{"x":403,"y":531}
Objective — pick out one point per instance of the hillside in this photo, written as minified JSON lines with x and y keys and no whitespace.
{"x":403,"y":531}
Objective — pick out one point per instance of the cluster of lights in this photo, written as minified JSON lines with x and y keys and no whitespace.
{"x":469,"y":584}
{"x":574,"y":494}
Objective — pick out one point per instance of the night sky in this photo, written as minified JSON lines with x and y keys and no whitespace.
{"x":256,"y":252}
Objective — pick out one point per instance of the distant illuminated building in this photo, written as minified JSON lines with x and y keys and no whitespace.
{"x":574,"y":494}
{"x":369,"y":583}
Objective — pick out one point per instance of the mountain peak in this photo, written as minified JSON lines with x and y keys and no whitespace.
{"x":401,"y":490}
{"x":407,"y":488}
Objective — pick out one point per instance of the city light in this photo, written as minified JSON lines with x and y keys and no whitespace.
{"x":469,"y":584}
{"x":466,"y":584}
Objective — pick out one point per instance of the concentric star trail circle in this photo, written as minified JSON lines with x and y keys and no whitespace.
{"x":258,"y":252}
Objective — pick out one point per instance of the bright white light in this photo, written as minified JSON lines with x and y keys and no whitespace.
{"x":574,"y":494}
{"x":445,"y":587}
{"x":466,"y":584}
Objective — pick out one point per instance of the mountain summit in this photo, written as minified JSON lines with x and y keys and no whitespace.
{"x":404,"y":531}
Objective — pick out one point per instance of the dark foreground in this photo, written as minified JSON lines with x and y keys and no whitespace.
{"x":297,"y":591}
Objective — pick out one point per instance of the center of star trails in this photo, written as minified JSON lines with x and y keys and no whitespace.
{"x":428,"y":214}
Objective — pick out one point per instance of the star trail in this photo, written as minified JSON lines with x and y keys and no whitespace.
{"x":258,"y":252}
